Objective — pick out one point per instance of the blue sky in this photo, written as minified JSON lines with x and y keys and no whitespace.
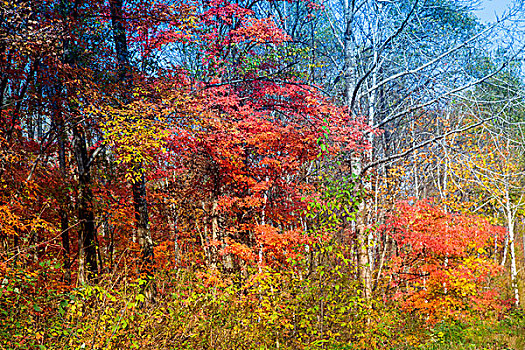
{"x":489,"y":7}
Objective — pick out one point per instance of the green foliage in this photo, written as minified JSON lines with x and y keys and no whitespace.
{"x":314,"y":304}
{"x":340,"y":194}
{"x":31,"y":305}
{"x":478,"y":334}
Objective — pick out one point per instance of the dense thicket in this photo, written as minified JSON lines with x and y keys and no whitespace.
{"x":266,"y":174}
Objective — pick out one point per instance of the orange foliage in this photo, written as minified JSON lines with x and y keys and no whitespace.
{"x":444,"y":261}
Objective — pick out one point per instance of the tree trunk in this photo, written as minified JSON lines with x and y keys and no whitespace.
{"x":174,"y":237}
{"x":349,"y":76}
{"x":214,"y":234}
{"x":142,"y":222}
{"x":64,"y":219}
{"x":139,"y":183}
{"x":523,"y":240}
{"x":511,"y":235}
{"x":363,"y":261}
{"x":87,"y":247}
{"x":513,"y":269}
{"x":54,"y":95}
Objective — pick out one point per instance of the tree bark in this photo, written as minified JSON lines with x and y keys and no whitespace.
{"x":511,"y":235}
{"x":348,"y":53}
{"x":139,"y":182}
{"x":363,"y":261}
{"x":142,"y":221}
{"x":63,"y":211}
{"x":54,"y":94}
{"x":87,"y":247}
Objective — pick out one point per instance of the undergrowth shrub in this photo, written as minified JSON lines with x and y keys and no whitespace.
{"x":308,"y":305}
{"x":314,"y":302}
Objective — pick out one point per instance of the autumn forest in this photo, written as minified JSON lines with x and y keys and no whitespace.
{"x":261,"y":174}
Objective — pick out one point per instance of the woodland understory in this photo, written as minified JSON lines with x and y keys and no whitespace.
{"x":266,"y":174}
